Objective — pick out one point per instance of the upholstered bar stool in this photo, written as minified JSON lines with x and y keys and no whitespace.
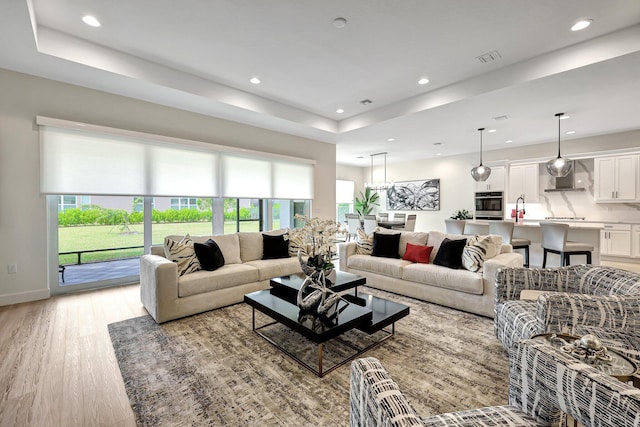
{"x":554,"y":240}
{"x":455,"y":226}
{"x":505,"y":230}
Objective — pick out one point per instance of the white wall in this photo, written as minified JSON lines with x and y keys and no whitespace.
{"x":22,"y":208}
{"x":457,"y":186}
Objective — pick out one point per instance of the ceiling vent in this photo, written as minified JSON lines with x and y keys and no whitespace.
{"x":489,"y":57}
{"x":505,"y":117}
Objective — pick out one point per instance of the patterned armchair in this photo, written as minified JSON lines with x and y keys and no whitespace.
{"x":537,"y":373}
{"x":581,"y":299}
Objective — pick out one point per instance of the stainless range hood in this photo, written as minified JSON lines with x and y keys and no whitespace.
{"x":565,"y":183}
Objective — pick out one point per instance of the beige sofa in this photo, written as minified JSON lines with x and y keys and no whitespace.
{"x":456,"y":288}
{"x":167,"y":296}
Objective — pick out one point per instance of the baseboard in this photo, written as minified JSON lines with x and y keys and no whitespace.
{"x":20,"y":297}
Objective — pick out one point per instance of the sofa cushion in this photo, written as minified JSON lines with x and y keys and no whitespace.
{"x":226,"y":276}
{"x":230,"y":246}
{"x":270,"y":268}
{"x":274,"y":247}
{"x":442,"y":277}
{"x":450,"y":253}
{"x":209,"y":255}
{"x":182,"y":253}
{"x":414,"y":237}
{"x":364,"y":242}
{"x":386,"y":245}
{"x":251,"y":243}
{"x":417,"y":253}
{"x":386,"y":266}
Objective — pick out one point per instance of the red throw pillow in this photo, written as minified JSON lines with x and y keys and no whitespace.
{"x":417,"y":253}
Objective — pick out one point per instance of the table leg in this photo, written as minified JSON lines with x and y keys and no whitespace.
{"x":253,"y":319}
{"x":320,"y":360}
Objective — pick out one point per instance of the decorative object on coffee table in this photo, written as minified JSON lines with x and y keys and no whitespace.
{"x":315,"y":295}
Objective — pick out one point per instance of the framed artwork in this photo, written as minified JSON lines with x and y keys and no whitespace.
{"x":414,"y":196}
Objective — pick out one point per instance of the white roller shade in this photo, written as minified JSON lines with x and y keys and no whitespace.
{"x":245,"y":177}
{"x":292,"y":180}
{"x":344,"y":191}
{"x":89,"y":159}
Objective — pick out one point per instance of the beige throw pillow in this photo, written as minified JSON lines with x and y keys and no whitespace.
{"x":364,"y":242}
{"x":477,"y":250}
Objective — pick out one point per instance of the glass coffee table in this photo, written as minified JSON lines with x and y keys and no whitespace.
{"x":360,"y":311}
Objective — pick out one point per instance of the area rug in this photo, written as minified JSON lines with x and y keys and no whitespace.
{"x":212,"y":369}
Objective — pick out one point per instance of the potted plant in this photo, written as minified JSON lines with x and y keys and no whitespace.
{"x":462,"y":214}
{"x":365,"y":202}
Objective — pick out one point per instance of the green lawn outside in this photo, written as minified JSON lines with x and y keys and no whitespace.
{"x":82,"y":238}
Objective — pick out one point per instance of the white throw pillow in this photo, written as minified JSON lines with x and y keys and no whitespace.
{"x":364,"y":242}
{"x":476,"y":252}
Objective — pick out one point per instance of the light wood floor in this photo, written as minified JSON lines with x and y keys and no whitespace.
{"x":57,"y":365}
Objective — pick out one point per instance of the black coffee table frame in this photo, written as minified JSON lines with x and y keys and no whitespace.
{"x":364,"y":312}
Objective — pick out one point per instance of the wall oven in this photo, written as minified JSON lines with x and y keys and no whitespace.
{"x":490,"y":205}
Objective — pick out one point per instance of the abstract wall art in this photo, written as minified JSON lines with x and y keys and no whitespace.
{"x":414,"y":196}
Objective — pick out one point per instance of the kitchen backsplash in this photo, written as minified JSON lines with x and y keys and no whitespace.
{"x":577,"y":203}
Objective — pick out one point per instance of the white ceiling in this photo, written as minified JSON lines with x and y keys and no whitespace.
{"x":198,"y":55}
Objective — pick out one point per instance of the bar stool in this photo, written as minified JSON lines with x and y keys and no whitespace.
{"x":554,"y":240}
{"x":455,"y":226}
{"x":505,"y":230}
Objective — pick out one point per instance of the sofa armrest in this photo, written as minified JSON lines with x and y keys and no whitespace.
{"x":345,"y":250}
{"x":375,"y":399}
{"x":511,"y":281}
{"x":158,"y":284}
{"x":564,"y":312}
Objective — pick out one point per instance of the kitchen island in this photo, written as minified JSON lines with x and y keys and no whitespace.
{"x":579,"y":231}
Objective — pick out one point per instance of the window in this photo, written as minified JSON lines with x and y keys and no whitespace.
{"x":184,"y":203}
{"x":344,"y":199}
{"x":73,"y":202}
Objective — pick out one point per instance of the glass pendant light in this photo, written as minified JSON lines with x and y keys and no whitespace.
{"x":559,"y":167}
{"x":481,"y":172}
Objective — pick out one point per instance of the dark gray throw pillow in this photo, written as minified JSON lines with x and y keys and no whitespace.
{"x":274,"y":247}
{"x":386,"y":245}
{"x":209,"y":255}
{"x":450,"y":253}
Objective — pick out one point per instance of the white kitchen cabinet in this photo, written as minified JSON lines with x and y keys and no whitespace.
{"x":524,"y":179}
{"x":615,"y":239}
{"x":635,"y":241}
{"x":616,"y":179}
{"x":495,"y":182}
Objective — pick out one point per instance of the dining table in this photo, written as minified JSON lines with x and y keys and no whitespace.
{"x":391,"y":224}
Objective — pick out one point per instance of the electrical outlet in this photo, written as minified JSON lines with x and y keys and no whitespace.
{"x":12,"y":268}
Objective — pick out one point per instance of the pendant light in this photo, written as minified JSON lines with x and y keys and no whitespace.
{"x":481,"y":172}
{"x":379,"y":185}
{"x":559,"y":167}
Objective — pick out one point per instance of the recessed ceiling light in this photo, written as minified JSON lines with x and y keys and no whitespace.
{"x":492,"y":130}
{"x":565,"y":117}
{"x":339,"y":111}
{"x":581,"y":25}
{"x":439,"y":154}
{"x":508,"y":141}
{"x":339,"y":22}
{"x":91,"y":21}
{"x":423,"y":81}
{"x":391,"y":139}
{"x":255,"y":80}
{"x":571,"y":132}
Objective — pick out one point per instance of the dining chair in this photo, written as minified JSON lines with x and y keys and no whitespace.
{"x":383,"y":216}
{"x":352,"y":226}
{"x":370,"y":223}
{"x":410,"y":223}
{"x":399,"y":216}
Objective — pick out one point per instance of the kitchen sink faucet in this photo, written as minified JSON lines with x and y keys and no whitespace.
{"x":522,"y":210}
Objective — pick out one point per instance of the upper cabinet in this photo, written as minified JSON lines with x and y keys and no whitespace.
{"x":524,"y":180}
{"x":616,"y":179}
{"x":495,"y":182}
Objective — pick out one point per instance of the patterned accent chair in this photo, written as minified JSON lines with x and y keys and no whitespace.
{"x":575,"y":300}
{"x":536,"y":375}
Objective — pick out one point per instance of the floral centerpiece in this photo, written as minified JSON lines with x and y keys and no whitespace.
{"x":317,"y":239}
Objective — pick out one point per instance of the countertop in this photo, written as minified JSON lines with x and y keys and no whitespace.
{"x":532,"y":223}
